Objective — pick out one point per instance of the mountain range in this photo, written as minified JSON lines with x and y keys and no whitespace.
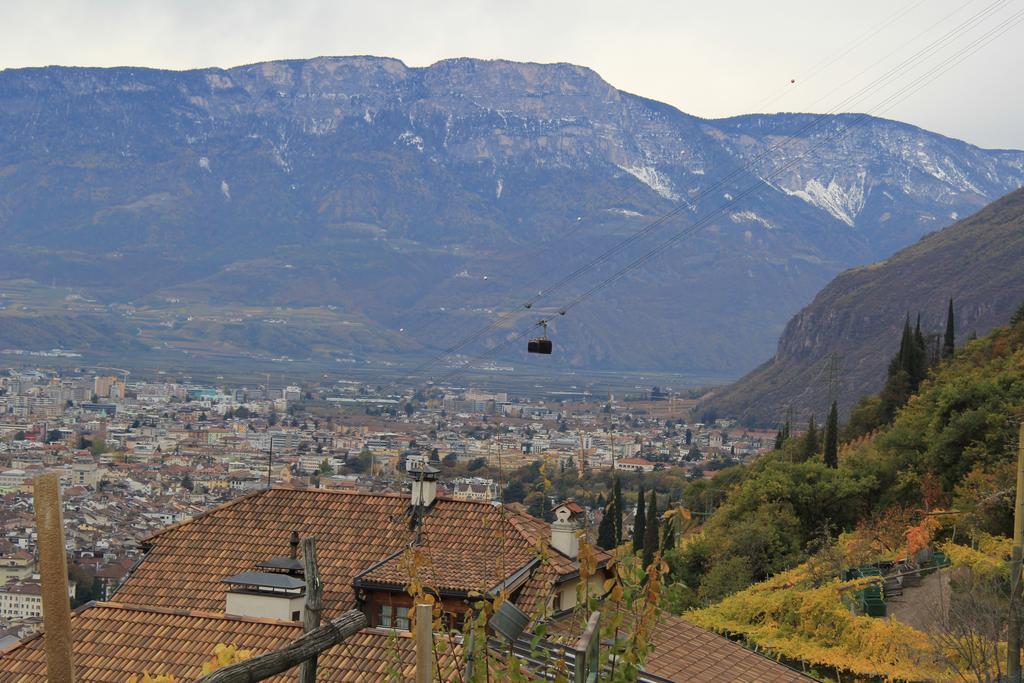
{"x":354,"y":206}
{"x":976,"y":262}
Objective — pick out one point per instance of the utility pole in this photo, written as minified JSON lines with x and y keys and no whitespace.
{"x":270,"y":459}
{"x":1013,"y":635}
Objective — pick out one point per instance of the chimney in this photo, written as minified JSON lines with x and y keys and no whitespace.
{"x":564,"y":528}
{"x":276,"y":589}
{"x":424,"y":483}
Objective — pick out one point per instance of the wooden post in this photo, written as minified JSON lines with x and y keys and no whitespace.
{"x":53,"y":568}
{"x":424,"y":643}
{"x":314,"y":599}
{"x":294,"y":653}
{"x":1013,"y":630}
{"x":587,"y":661}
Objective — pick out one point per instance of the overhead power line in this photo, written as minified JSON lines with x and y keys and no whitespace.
{"x":889,"y":102}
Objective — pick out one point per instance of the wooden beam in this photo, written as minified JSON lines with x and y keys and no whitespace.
{"x":314,"y":605}
{"x":299,"y":650}
{"x":53,"y":570}
{"x":424,"y":643}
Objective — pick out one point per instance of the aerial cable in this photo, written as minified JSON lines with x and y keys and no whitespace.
{"x":576,"y":224}
{"x":981,"y":14}
{"x":856,"y":43}
{"x":907,"y":91}
{"x":924,"y":52}
{"x":744,"y":167}
{"x":748,"y":166}
{"x":892,"y":100}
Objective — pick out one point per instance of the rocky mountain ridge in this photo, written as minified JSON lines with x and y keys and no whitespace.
{"x":380,"y":195}
{"x":859,"y":315}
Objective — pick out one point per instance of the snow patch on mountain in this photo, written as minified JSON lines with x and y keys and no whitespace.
{"x":411,"y":139}
{"x":649,"y":176}
{"x":842,"y":202}
{"x":750,"y":217}
{"x":947,"y":172}
{"x":624,"y":212}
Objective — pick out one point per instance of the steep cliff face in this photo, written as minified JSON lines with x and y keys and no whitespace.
{"x":979,"y":262}
{"x":383,"y":194}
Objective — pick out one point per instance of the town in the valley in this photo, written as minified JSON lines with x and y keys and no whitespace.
{"x":136,"y":456}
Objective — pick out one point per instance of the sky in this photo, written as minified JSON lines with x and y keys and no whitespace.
{"x":711,"y":59}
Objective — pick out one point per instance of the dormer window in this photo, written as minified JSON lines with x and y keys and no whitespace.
{"x":394,"y":617}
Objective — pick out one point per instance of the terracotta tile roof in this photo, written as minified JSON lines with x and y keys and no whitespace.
{"x":539,"y":532}
{"x":112,"y":641}
{"x":354,"y":532}
{"x":684,"y":652}
{"x":535,"y":594}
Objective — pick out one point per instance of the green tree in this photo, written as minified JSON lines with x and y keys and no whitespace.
{"x":652,"y":536}
{"x":361,"y":463}
{"x":639,"y":522}
{"x":949,"y":340}
{"x":810,"y":446}
{"x":1017,"y":317}
{"x":515,"y":492}
{"x":187,"y":483}
{"x":325,"y":467}
{"x":606,"y":529}
{"x":832,"y":437}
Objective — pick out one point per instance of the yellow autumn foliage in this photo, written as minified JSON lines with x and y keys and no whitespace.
{"x":790,"y":617}
{"x":990,"y":560}
{"x":225,"y":655}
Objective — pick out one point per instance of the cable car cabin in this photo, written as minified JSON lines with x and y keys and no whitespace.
{"x":539,"y":345}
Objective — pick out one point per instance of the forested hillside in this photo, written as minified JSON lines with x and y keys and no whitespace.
{"x":939,"y":476}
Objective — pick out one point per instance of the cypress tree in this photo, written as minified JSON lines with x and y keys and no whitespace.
{"x":651,"y":535}
{"x":902,"y":359}
{"x":639,"y":523}
{"x":617,"y":499}
{"x":832,"y":437}
{"x":906,"y":371}
{"x":810,"y":441}
{"x":606,"y":529}
{"x":918,"y":358}
{"x":778,"y":440}
{"x":949,"y":341}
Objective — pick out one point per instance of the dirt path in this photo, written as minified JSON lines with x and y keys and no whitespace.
{"x":918,"y":605}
